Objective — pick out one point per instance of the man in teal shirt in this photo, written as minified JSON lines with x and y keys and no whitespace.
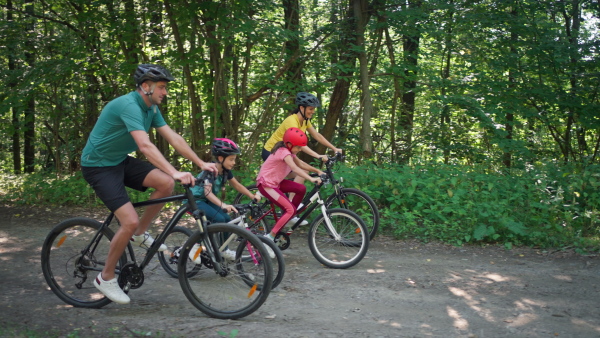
{"x":122,"y":128}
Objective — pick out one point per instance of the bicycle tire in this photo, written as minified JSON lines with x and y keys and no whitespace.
{"x":62,"y":256}
{"x":278,"y":262}
{"x":344,"y":252}
{"x":227,"y":295}
{"x":169,"y":258}
{"x":359,"y":202}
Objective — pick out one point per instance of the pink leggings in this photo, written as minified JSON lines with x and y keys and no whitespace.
{"x":278,"y":197}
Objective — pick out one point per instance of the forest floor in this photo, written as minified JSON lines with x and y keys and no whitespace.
{"x":400,"y":289}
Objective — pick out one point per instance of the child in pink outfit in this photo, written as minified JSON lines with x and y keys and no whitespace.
{"x":271,"y":180}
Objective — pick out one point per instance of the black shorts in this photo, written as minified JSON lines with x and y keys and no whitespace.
{"x":109,"y":182}
{"x":265,"y":154}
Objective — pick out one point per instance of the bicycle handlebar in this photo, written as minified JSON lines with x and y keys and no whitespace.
{"x":331,"y":160}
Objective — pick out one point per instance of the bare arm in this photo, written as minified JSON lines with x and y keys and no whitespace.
{"x":307,"y":167}
{"x":184,"y":149}
{"x":157,"y":159}
{"x":291,"y":161}
{"x":321,"y":139}
{"x":241,"y":189}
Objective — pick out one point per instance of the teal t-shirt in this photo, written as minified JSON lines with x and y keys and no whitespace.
{"x":110,"y":141}
{"x":217,"y":184}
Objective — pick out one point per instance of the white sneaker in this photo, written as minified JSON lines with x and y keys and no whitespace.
{"x":293,"y":221}
{"x":229,"y":255}
{"x":111,"y":290}
{"x":193,"y":252}
{"x":145,"y":241}
{"x":269,"y":250}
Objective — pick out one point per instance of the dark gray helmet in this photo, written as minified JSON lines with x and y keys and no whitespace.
{"x":150,"y":72}
{"x":307,"y":99}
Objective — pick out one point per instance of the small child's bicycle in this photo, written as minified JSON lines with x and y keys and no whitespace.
{"x":342,"y":197}
{"x":75,"y":250}
{"x":338,"y":238}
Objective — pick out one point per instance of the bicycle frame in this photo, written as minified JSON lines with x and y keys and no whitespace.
{"x":191,"y":208}
{"x":310,"y":202}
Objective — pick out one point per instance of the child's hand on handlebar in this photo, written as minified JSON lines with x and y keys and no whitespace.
{"x":229,"y":208}
{"x":324,"y":158}
{"x":337,"y":150}
{"x":257,"y":197}
{"x":316,"y":180}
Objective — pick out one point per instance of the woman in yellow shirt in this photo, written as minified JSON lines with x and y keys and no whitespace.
{"x":300,"y":118}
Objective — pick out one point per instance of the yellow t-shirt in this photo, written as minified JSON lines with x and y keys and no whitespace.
{"x":290,"y":122}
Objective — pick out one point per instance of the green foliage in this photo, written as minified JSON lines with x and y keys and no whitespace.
{"x":50,"y":189}
{"x":544,"y":206}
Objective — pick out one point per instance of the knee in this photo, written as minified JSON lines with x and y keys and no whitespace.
{"x":165,"y":185}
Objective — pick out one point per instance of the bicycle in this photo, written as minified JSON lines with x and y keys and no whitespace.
{"x":346,"y":198}
{"x":338,"y":238}
{"x":77,"y":247}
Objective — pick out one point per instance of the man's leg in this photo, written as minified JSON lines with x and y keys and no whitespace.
{"x":128,"y":218}
{"x":163,"y":185}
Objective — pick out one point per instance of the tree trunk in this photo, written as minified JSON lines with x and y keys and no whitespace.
{"x":362,"y":18}
{"x":197,"y":125}
{"x":411,"y":60}
{"x":341,"y":89}
{"x":12,"y":67}
{"x":29,"y":116}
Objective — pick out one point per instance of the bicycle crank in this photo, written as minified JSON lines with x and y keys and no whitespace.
{"x":131,"y":275}
{"x":282,"y":240}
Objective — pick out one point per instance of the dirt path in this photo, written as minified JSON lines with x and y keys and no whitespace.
{"x":401,"y":289}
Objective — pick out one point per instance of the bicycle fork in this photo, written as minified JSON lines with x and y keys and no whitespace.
{"x":215,"y":257}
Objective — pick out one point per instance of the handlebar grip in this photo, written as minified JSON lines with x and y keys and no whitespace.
{"x":203,"y":176}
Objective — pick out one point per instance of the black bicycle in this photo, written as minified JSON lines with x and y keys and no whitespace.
{"x":75,"y":250}
{"x":345,"y":198}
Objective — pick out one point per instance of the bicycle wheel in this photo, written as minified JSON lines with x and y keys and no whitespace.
{"x":225,"y":293}
{"x":359,"y":202}
{"x":170,"y":257}
{"x":346,"y":250}
{"x":278,"y":262}
{"x":68,"y":270}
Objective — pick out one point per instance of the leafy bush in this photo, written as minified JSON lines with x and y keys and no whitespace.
{"x":545,"y":206}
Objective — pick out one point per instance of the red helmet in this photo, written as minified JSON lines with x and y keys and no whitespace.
{"x":295,"y":136}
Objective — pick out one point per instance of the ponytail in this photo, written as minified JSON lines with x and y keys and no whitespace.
{"x":277,"y":145}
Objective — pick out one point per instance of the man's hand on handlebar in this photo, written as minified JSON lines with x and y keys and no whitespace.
{"x":212,"y":167}
{"x":184,"y":178}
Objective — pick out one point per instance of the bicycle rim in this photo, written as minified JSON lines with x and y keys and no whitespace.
{"x":362,"y":204}
{"x":69,"y":273}
{"x":169,"y":258}
{"x":342,"y":252}
{"x":227,"y":295}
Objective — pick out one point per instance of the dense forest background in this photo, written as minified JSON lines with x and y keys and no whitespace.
{"x":466,"y":120}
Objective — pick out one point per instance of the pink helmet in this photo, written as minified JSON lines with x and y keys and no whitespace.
{"x":224,"y":147}
{"x":295,"y":136}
